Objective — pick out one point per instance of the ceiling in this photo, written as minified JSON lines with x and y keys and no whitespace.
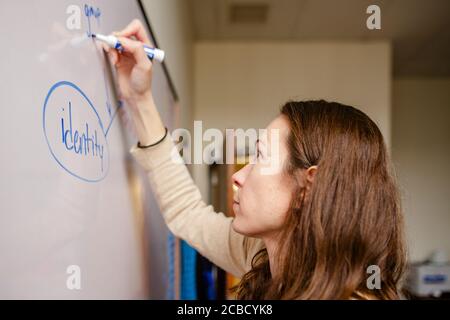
{"x":418,"y":29}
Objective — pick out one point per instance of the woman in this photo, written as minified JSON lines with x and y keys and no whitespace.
{"x":308,"y":231}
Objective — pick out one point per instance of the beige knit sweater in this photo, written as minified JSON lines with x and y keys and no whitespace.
{"x":188,"y":217}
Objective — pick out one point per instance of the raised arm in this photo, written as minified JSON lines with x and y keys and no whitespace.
{"x":188,"y":217}
{"x":179,"y":199}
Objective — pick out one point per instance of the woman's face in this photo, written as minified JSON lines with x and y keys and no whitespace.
{"x":263,"y":188}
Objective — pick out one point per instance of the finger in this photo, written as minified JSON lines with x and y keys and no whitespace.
{"x":136,"y":49}
{"x":136,"y":29}
{"x":104,"y":46}
{"x":113,"y":57}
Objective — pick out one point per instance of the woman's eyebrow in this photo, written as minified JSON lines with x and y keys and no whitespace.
{"x":259,"y":141}
{"x":261,"y":146}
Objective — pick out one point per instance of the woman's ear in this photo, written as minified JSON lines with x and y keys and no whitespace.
{"x":310,"y":175}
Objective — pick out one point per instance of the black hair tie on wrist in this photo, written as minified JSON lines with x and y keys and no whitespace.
{"x":153,"y":144}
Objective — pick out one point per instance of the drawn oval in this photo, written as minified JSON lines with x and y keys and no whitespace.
{"x":74,"y":132}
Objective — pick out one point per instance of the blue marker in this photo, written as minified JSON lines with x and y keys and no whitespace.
{"x":113,"y":42}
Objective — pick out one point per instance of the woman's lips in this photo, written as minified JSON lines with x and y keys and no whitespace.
{"x":235,"y":205}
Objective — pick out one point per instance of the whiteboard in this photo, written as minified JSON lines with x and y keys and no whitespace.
{"x":77,"y":217}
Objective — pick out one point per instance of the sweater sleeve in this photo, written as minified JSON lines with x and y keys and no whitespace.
{"x":188,"y":217}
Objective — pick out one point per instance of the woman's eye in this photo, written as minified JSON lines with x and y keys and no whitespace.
{"x":255,"y":157}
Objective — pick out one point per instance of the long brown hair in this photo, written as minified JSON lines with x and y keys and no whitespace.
{"x":350,"y":219}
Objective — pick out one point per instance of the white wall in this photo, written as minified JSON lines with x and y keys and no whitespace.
{"x":421,"y":153}
{"x":243,"y":85}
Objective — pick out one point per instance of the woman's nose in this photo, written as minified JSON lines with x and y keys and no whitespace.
{"x":239,"y":177}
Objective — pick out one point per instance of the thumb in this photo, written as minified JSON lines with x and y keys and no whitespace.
{"x":113,"y":57}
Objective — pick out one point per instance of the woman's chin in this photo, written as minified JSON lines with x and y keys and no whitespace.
{"x":236,"y":225}
{"x":241,"y":227}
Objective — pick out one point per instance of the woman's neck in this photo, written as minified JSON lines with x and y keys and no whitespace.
{"x":271,"y":244}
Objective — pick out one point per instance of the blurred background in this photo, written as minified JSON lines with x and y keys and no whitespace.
{"x":235,"y":62}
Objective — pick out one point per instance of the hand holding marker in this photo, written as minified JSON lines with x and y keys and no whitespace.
{"x":113,"y":42}
{"x":134,"y":75}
